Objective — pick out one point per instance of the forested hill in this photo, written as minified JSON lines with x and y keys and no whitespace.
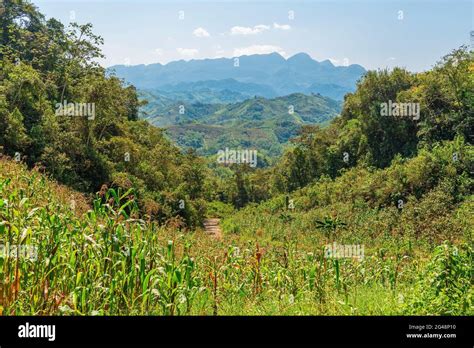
{"x":259,"y":123}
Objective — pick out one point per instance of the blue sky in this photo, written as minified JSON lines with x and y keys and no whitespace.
{"x":374,"y":33}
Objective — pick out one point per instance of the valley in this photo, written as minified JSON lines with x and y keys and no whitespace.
{"x":244,"y":106}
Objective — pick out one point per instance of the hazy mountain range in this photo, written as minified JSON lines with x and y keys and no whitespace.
{"x":266,"y":75}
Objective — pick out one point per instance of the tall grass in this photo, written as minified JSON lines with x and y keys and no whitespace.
{"x":102,"y":259}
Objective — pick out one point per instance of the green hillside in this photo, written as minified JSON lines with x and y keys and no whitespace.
{"x":266,"y":124}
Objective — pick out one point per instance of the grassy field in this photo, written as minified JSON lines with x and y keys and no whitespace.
{"x":97,"y":259}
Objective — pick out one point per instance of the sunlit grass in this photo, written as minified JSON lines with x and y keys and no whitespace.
{"x":102,"y":259}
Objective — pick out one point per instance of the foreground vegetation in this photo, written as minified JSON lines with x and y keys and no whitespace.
{"x":104,"y":260}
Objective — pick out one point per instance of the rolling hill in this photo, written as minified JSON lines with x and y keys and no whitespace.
{"x":265,"y":124}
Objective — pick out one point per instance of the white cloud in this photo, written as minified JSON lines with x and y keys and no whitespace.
{"x":219,"y":51}
{"x":281,"y":26}
{"x":201,"y":32}
{"x":187,"y":52}
{"x":261,"y":27}
{"x":249,"y":30}
{"x":159,"y":52}
{"x":258,"y":49}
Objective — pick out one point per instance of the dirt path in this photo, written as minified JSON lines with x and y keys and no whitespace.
{"x":211,"y":226}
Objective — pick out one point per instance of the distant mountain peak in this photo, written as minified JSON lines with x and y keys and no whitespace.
{"x":275,"y":54}
{"x":300,"y":57}
{"x":327,"y":62}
